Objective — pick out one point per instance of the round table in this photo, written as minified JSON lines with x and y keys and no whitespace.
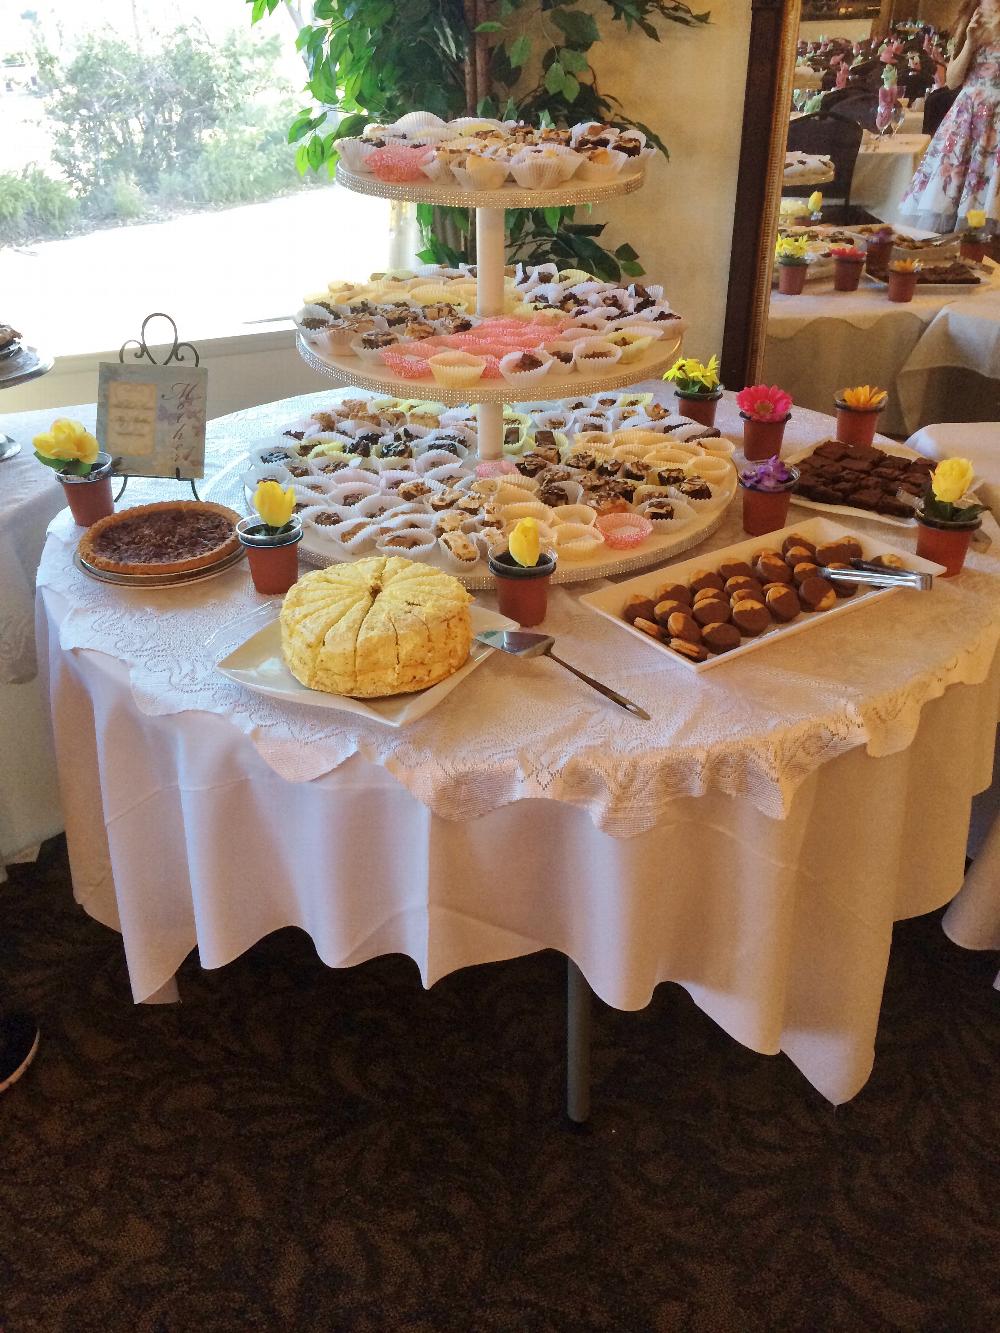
{"x":823,"y":340}
{"x":884,"y":170}
{"x":26,"y":364}
{"x":754,"y":842}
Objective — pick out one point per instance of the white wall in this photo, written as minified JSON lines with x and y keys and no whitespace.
{"x":689,"y":87}
{"x":854,"y":30}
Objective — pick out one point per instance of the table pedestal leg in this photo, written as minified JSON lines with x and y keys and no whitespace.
{"x":489,"y":417}
{"x":578,"y":998}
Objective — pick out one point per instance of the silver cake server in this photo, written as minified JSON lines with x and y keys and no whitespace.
{"x":527,"y":643}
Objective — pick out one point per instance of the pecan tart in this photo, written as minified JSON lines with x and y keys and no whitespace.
{"x":166,"y":538}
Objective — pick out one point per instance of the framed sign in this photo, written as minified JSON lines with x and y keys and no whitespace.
{"x":151,"y":419}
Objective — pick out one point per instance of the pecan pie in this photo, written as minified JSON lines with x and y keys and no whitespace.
{"x":166,"y":538}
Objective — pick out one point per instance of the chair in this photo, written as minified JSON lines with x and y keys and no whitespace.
{"x":861,"y":107}
{"x":937,"y":104}
{"x":836,"y":138}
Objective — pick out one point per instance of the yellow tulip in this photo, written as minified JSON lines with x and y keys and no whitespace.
{"x":523,"y":542}
{"x":864,"y":398}
{"x":815,"y":201}
{"x":976,"y":219}
{"x":274,"y":505}
{"x":67,"y":441}
{"x":951,"y":479}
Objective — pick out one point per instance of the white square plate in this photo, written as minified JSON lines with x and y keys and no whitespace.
{"x":608,"y":602}
{"x":258,"y":663}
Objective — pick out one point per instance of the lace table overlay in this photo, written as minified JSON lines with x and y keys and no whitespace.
{"x":756,"y":728}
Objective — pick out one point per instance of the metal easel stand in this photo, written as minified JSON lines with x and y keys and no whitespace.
{"x":578,"y":1012}
{"x":141,"y":352}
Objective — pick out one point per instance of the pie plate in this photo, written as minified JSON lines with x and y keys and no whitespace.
{"x":608,"y":602}
{"x":175,"y":580}
{"x":258,"y":663}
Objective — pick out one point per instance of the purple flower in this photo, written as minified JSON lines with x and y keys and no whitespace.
{"x":771,"y":475}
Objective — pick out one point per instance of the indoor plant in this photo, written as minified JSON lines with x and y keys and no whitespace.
{"x":945,"y":527}
{"x":522,"y":573}
{"x":973,"y":243}
{"x":696,"y":387}
{"x":790,"y":252}
{"x":857,"y":413}
{"x":878,"y":249}
{"x":902,"y":279}
{"x":848,"y":262}
{"x":85,"y":472}
{"x":765,"y":411}
{"x":272,"y":539}
{"x":767,"y":493}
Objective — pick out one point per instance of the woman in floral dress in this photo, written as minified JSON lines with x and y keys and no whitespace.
{"x":960,"y":171}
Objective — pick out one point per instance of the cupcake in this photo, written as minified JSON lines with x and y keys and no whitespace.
{"x":481,"y":173}
{"x":595,"y":356}
{"x":524,"y":368}
{"x":459,"y":550}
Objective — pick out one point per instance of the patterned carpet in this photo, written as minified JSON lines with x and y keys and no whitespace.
{"x":300,"y":1149}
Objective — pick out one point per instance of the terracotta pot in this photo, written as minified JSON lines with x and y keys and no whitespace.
{"x":945,"y":543}
{"x":791,"y":279}
{"x":974,"y":250}
{"x":274,"y":561}
{"x":765,"y":511}
{"x":847,"y":274}
{"x":878,"y":252}
{"x":522,"y":591}
{"x":902,"y":286}
{"x":762,"y":439}
{"x":90,"y":498}
{"x":700,"y":407}
{"x":854,"y":427}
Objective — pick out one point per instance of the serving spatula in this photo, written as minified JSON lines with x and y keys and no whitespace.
{"x":528,"y":643}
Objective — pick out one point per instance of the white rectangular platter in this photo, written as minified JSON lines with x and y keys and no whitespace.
{"x":608,"y":602}
{"x":259,"y":665}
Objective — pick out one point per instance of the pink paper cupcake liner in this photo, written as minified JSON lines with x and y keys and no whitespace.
{"x":624,"y":532}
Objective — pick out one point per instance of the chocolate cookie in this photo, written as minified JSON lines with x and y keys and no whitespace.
{"x":638,"y":606}
{"x":751,"y":618}
{"x":681,"y":626}
{"x":662,"y":611}
{"x":734,"y":569}
{"x":772,"y":569}
{"x":795,"y":539}
{"x":797,"y":555}
{"x":648,"y":627}
{"x":783,"y":603}
{"x":720,"y":638}
{"x":805,"y":569}
{"x":705,"y":578}
{"x":679,"y":592}
{"x":842,"y":589}
{"x":741,"y":583}
{"x":694,"y":652}
{"x":889,"y":561}
{"x":829,"y":552}
{"x":817,"y":594}
{"x":711,"y":611}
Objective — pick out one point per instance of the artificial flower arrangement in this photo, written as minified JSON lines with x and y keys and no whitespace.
{"x":68,"y":447}
{"x":904,"y":266}
{"x":975,"y":221}
{"x":974,"y":239}
{"x":850,"y":253}
{"x":694,"y":377}
{"x":791,"y":250}
{"x":945,"y":526}
{"x":762,"y":402}
{"x":903,"y":275}
{"x":522,"y":574}
{"x":272,"y":539}
{"x":848,"y":261}
{"x":767,"y":493}
{"x":815,"y":202}
{"x":863,"y":398}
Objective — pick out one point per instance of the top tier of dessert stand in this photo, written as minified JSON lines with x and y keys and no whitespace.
{"x":490,"y":262}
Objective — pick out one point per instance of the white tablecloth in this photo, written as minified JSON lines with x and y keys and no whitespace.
{"x":29,"y":498}
{"x":525,"y":813}
{"x":822,"y":341}
{"x":978,"y":441}
{"x":883,"y":172}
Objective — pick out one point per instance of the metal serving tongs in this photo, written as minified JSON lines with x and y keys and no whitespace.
{"x":528,"y":643}
{"x":880,"y":576}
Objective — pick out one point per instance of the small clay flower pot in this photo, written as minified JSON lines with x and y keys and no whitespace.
{"x":847,"y":274}
{"x":274,"y":560}
{"x":762,"y":439}
{"x":700,"y":407}
{"x":973,"y":249}
{"x":902,"y":286}
{"x":522,"y":590}
{"x":854,"y":427}
{"x":791,"y":279}
{"x":878,"y":252}
{"x":766,"y":511}
{"x":945,"y":543}
{"x":90,"y":497}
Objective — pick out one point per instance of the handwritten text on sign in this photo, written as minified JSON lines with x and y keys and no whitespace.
{"x":152,"y":418}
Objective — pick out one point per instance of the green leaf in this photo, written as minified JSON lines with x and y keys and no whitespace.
{"x":625,"y":252}
{"x":553,"y":218}
{"x":554,"y":77}
{"x":520,"y":50}
{"x":579,"y":29}
{"x":632,"y":268}
{"x":315,"y":153}
{"x":570,"y":88}
{"x":489,"y":26}
{"x":574,"y":61}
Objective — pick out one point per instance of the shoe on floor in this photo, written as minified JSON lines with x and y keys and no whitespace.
{"x":18,"y":1043}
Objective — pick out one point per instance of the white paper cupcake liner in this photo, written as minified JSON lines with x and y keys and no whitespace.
{"x":447,"y":474}
{"x":524,"y":378}
{"x":552,"y":419}
{"x":577,"y":541}
{"x":683,"y":515}
{"x":513,"y":513}
{"x":537,"y":173}
{"x":418,"y":542}
{"x":719,"y":447}
{"x":352,"y":492}
{"x":598,"y":172}
{"x":575,"y":513}
{"x":699,"y":506}
{"x":452,"y":562}
{"x":355,"y":154}
{"x":718,"y":471}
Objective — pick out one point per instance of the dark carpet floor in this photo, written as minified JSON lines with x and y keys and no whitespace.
{"x":300,"y":1149}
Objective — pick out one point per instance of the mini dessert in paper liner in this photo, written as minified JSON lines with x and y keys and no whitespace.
{"x":600,"y":164}
{"x":525,"y":368}
{"x":398,"y":162}
{"x":353,"y":536}
{"x":536,"y":173}
{"x":719,"y":471}
{"x":634,"y":345}
{"x":456,"y":368}
{"x":595,"y":356}
{"x":412,"y":541}
{"x":355,"y":154}
{"x":350,"y":492}
{"x":481,"y":173}
{"x":624,"y":532}
{"x":460,"y":552}
{"x":666,"y":513}
{"x":557,"y":493}
{"x":701,"y":495}
{"x":561,"y":352}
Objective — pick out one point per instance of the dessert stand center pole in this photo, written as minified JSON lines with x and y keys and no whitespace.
{"x":577,"y":1045}
{"x":489,"y":301}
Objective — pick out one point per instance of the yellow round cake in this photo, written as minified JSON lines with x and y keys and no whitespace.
{"x":376,"y":627}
